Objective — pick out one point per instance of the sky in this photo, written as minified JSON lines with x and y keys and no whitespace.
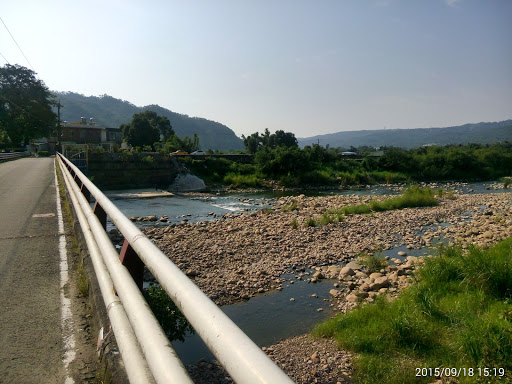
{"x":307,"y":67}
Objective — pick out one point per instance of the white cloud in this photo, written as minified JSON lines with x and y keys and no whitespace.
{"x":452,"y":3}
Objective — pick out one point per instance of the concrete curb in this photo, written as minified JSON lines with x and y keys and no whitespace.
{"x":107,"y":349}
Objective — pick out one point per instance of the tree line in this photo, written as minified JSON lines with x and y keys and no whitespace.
{"x":277,"y":157}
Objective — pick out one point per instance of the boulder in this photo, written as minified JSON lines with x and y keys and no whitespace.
{"x":333,"y":270}
{"x":187,"y":183}
{"x":353,"y":265}
{"x":347,"y":271}
{"x":352,"y":298}
{"x":381,"y":282}
{"x":318,"y":275}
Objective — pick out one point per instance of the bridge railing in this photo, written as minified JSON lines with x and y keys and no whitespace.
{"x":140,"y":338}
{"x":6,"y":156}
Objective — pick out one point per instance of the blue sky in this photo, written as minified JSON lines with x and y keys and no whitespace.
{"x":309,"y":67}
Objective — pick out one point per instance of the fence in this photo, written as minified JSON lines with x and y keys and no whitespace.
{"x":147,"y":353}
{"x":6,"y":156}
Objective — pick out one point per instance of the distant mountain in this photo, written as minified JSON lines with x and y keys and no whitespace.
{"x":111,"y":113}
{"x":483,"y":133}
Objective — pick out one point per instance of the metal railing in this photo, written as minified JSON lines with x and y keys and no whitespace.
{"x":140,"y":338}
{"x":6,"y":156}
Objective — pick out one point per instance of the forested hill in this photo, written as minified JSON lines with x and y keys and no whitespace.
{"x":483,"y":133}
{"x":111,"y":112}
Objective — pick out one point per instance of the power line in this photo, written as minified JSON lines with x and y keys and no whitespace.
{"x":5,"y":58}
{"x":16,"y":45}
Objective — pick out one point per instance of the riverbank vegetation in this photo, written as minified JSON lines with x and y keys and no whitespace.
{"x":277,"y":158}
{"x":412,"y":197}
{"x":172,"y":321}
{"x":457,"y":314}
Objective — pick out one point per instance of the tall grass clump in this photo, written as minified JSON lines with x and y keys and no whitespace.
{"x":412,"y":197}
{"x":290,"y":207}
{"x":240,"y":181}
{"x":389,"y":177}
{"x":372,"y":262}
{"x":457,"y":313}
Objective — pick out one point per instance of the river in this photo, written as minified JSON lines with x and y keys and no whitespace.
{"x":267,"y":318}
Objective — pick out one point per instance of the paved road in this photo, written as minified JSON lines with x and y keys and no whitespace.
{"x":31,"y":345}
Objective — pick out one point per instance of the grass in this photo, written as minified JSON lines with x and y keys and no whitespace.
{"x":325,"y":219}
{"x":242,"y":181}
{"x":412,"y":197}
{"x":458,"y":313}
{"x":82,"y":280}
{"x":290,"y":207}
{"x":441,"y":192}
{"x":103,"y":376}
{"x":371,"y":262}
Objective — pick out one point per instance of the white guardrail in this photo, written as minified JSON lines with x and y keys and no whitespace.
{"x":147,"y":353}
{"x":6,"y":156}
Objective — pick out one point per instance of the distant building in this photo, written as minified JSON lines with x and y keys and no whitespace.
{"x":84,"y":132}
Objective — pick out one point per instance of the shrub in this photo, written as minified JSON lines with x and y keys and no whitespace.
{"x":174,"y":324}
{"x":371,"y":262}
{"x":239,"y":181}
{"x":148,"y":160}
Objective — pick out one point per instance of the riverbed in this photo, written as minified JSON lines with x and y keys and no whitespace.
{"x":255,"y":250}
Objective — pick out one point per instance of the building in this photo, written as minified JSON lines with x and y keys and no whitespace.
{"x":84,"y":132}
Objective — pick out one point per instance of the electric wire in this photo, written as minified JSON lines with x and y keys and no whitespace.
{"x":16,"y":45}
{"x":5,"y":58}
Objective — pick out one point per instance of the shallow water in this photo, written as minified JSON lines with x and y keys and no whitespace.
{"x":270,"y":317}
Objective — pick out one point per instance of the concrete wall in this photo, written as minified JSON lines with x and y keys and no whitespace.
{"x":122,"y":171}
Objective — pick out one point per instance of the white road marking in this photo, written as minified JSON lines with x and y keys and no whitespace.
{"x":68,"y":336}
{"x":44,"y":215}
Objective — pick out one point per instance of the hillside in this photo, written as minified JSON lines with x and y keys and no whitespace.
{"x":483,"y":133}
{"x":111,"y":112}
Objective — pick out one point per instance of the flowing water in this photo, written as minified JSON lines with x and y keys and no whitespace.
{"x":266,"y":318}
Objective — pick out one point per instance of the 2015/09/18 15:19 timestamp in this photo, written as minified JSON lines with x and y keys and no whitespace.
{"x":456,"y":372}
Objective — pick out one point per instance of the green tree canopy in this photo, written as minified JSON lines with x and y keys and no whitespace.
{"x":253,"y":143}
{"x":146,"y":128}
{"x":25,"y":105}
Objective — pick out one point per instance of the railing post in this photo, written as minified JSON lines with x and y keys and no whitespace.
{"x":100,"y":214}
{"x":133,"y":263}
{"x":86,"y":193}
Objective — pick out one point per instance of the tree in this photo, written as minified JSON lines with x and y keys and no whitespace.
{"x":282,"y":139}
{"x":146,"y":128}
{"x":25,"y":105}
{"x":255,"y":142}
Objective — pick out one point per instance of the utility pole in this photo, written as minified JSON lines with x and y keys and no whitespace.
{"x":58,"y":144}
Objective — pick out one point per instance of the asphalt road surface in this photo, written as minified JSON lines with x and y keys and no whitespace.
{"x":31,"y":343}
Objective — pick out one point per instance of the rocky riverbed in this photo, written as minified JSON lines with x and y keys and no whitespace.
{"x":245,"y":255}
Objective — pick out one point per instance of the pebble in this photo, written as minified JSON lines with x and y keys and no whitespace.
{"x":260,"y":242}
